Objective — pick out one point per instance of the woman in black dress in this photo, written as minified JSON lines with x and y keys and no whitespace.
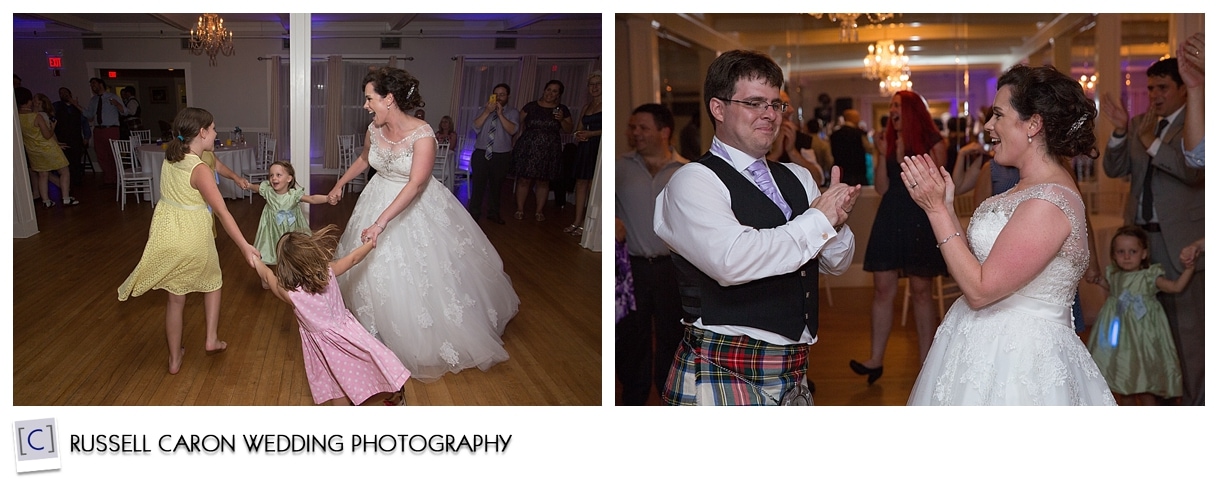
{"x":589,"y":138}
{"x":902,"y":242}
{"x":539,"y":148}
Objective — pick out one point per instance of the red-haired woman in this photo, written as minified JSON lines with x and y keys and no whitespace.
{"x":902,"y":242}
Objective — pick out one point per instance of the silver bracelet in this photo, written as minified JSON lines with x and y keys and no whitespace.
{"x":949,"y":237}
{"x":378,"y":225}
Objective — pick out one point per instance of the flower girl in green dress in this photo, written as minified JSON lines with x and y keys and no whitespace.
{"x":282,"y":213}
{"x":1131,"y":340}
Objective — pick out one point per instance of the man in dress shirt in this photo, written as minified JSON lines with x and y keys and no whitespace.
{"x":103,"y":112}
{"x":131,"y":120}
{"x":496,"y":125}
{"x":641,"y":175}
{"x":1166,"y":199}
{"x":748,"y":239}
{"x":68,"y":130}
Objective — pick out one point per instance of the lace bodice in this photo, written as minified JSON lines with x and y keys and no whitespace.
{"x":1057,"y":283}
{"x":394,"y":159}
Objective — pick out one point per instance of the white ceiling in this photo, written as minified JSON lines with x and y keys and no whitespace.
{"x":933,"y":41}
{"x":323,"y":24}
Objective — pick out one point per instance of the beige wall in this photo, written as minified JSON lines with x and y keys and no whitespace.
{"x":235,"y":90}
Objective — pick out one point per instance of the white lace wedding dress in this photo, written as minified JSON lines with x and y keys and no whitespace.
{"x":1021,"y":350}
{"x":433,"y":290}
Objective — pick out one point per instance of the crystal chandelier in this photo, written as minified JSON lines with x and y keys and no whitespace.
{"x":887,"y":63}
{"x":210,"y":36}
{"x":850,"y":24}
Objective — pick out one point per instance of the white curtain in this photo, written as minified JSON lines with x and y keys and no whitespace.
{"x":317,"y":109}
{"x":355,"y":119}
{"x":334,"y":112}
{"x":278,"y":117}
{"x":478,"y":80}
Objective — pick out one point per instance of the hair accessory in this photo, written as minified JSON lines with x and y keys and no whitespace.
{"x":180,"y":139}
{"x":1077,"y":124}
{"x":411,"y":92}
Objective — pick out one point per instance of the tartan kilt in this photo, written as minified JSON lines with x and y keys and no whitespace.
{"x":693,"y":380}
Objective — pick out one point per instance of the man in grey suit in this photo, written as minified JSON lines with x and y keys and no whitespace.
{"x":1166,"y":199}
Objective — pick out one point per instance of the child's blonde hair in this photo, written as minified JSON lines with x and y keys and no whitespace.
{"x":1138,"y":234}
{"x":304,"y":260}
{"x":286,"y":166}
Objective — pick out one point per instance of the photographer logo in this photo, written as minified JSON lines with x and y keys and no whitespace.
{"x":37,"y":447}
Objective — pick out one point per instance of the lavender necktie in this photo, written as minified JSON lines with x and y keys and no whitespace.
{"x":761,"y":175}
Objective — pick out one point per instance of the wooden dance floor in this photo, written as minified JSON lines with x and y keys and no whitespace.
{"x":74,"y":343}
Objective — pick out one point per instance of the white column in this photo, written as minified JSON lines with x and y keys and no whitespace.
{"x":301,"y":42}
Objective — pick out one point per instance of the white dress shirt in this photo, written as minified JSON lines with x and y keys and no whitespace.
{"x":694,"y":217}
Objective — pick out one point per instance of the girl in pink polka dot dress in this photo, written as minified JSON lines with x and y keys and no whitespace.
{"x":343,"y":362}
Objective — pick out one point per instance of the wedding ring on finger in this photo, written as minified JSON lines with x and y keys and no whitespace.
{"x":913,"y":186}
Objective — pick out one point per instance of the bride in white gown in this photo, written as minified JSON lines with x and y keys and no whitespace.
{"x":1009,"y":340}
{"x":433,"y":290}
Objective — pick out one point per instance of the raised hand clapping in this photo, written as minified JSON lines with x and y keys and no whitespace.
{"x":929,"y":185}
{"x":838,"y":200}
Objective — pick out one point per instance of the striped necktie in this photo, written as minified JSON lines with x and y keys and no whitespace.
{"x":490,"y":136}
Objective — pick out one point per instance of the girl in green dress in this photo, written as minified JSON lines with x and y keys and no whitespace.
{"x":282,"y":213}
{"x":1131,"y":340}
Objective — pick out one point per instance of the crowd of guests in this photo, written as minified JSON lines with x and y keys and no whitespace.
{"x":56,"y":135}
{"x":696,"y":241}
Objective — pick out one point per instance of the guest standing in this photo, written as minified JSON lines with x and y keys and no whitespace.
{"x":104,"y":114}
{"x":69,"y":121}
{"x":1166,"y":199}
{"x":45,"y":156}
{"x":539,"y":148}
{"x":647,"y":337}
{"x":902,"y":242}
{"x":589,"y":148}
{"x":492,"y":153}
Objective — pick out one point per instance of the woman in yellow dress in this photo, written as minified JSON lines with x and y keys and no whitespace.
{"x":180,"y":256}
{"x":38,"y":133}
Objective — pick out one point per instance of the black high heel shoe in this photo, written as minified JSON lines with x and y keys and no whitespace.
{"x":872,"y":374}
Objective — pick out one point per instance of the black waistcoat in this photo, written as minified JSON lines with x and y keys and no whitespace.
{"x":782,"y":304}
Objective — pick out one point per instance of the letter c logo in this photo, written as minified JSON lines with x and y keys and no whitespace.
{"x":31,"y":436}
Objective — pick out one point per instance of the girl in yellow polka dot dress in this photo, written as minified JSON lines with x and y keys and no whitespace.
{"x":180,"y":256}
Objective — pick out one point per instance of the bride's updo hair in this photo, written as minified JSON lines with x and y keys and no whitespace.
{"x":1068,"y":115}
{"x":403,"y":86}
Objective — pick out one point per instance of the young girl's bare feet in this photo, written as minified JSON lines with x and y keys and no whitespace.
{"x":216,"y":347}
{"x":175,"y":366}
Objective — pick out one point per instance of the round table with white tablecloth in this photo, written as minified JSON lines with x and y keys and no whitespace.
{"x":238,"y":158}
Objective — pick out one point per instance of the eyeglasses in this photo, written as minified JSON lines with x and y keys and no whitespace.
{"x":759,"y":106}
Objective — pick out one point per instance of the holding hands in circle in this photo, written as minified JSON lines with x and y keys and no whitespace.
{"x":929,"y":185}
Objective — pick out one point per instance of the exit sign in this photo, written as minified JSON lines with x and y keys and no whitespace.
{"x":54,"y":62}
{"x":112,"y":74}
